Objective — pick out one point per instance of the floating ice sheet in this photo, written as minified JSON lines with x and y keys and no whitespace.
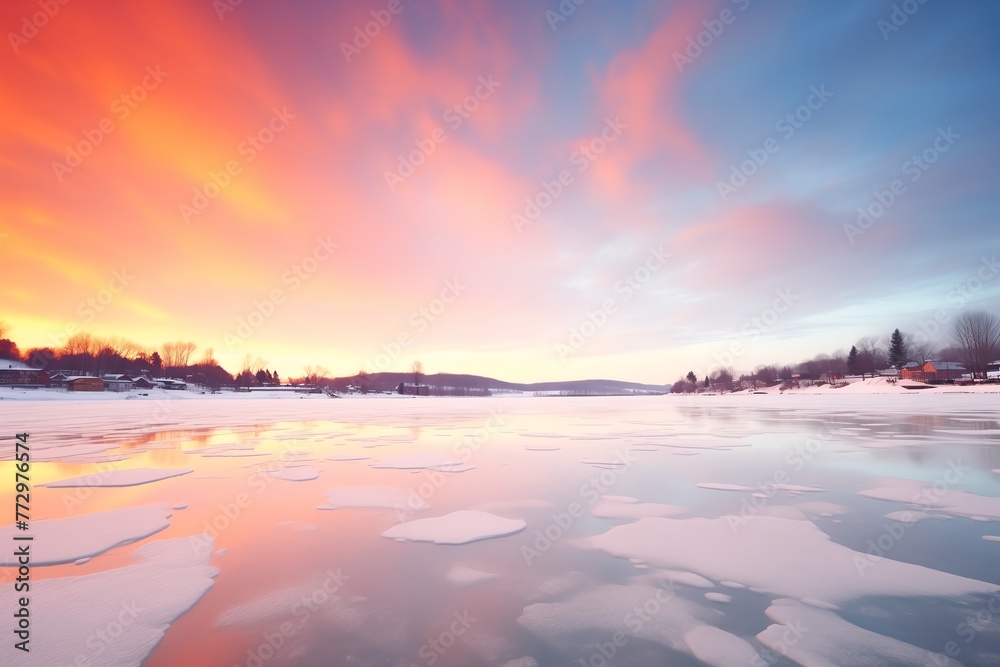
{"x":949,"y":501}
{"x":830,"y":641}
{"x":461,"y":575}
{"x":719,"y":648}
{"x":57,"y":541}
{"x":374,"y":497}
{"x":295,"y":474}
{"x":417,"y":462}
{"x":130,"y":477}
{"x":459,"y":527}
{"x":115,"y":617}
{"x":778,"y":556}
{"x":610,"y":509}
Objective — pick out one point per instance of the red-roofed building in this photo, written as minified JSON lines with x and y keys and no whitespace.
{"x":19,"y":374}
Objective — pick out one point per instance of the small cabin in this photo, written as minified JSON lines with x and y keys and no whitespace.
{"x":84,"y":383}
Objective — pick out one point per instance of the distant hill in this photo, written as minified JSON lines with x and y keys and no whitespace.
{"x":446,"y":383}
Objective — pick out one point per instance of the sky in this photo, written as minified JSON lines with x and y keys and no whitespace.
{"x":526,"y":190}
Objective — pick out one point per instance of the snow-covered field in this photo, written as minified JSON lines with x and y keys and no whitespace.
{"x":858,"y":526}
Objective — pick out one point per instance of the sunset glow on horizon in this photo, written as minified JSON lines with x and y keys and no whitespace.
{"x":508,"y":189}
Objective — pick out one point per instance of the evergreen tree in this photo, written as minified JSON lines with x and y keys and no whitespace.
{"x":897,"y":350}
{"x":852,"y":360}
{"x":691,"y":377}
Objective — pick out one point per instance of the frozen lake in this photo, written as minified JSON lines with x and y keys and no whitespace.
{"x":750,"y":530}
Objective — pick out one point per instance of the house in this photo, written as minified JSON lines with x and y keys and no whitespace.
{"x":934,"y":371}
{"x":118,"y":382}
{"x":993,"y":370}
{"x":143,"y":383}
{"x":170,"y":383}
{"x":84,"y":383}
{"x":19,"y":374}
{"x":413,"y":389}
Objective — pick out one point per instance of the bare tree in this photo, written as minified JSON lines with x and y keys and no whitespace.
{"x":123,"y":347}
{"x":4,"y":328}
{"x":871,"y":355}
{"x":364,"y":381}
{"x":168,"y":355}
{"x":418,"y":371}
{"x":177,"y":354}
{"x":977,"y":335}
{"x":253,"y":364}
{"x":766,"y":375}
{"x":81,"y":343}
{"x":682,"y":385}
{"x":723,"y":378}
{"x":316,"y":375}
{"x":208,"y":358}
{"x":185,"y":350}
{"x":920,"y":352}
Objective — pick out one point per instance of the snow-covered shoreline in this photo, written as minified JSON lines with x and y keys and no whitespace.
{"x":867,"y":386}
{"x":879,"y":385}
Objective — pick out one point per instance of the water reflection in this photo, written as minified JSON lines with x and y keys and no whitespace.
{"x":399,"y":603}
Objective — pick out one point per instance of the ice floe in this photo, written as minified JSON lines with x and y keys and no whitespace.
{"x":908,"y":516}
{"x":611,"y":509}
{"x":721,"y":486}
{"x":295,"y":474}
{"x":115,"y":617}
{"x":373,"y":497}
{"x":57,"y":541}
{"x":417,"y":462}
{"x":947,"y":500}
{"x":461,"y":575}
{"x":521,"y":662}
{"x":778,"y":556}
{"x":593,"y":617}
{"x":821,"y":638}
{"x":130,"y":477}
{"x":719,"y":648}
{"x":459,"y":527}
